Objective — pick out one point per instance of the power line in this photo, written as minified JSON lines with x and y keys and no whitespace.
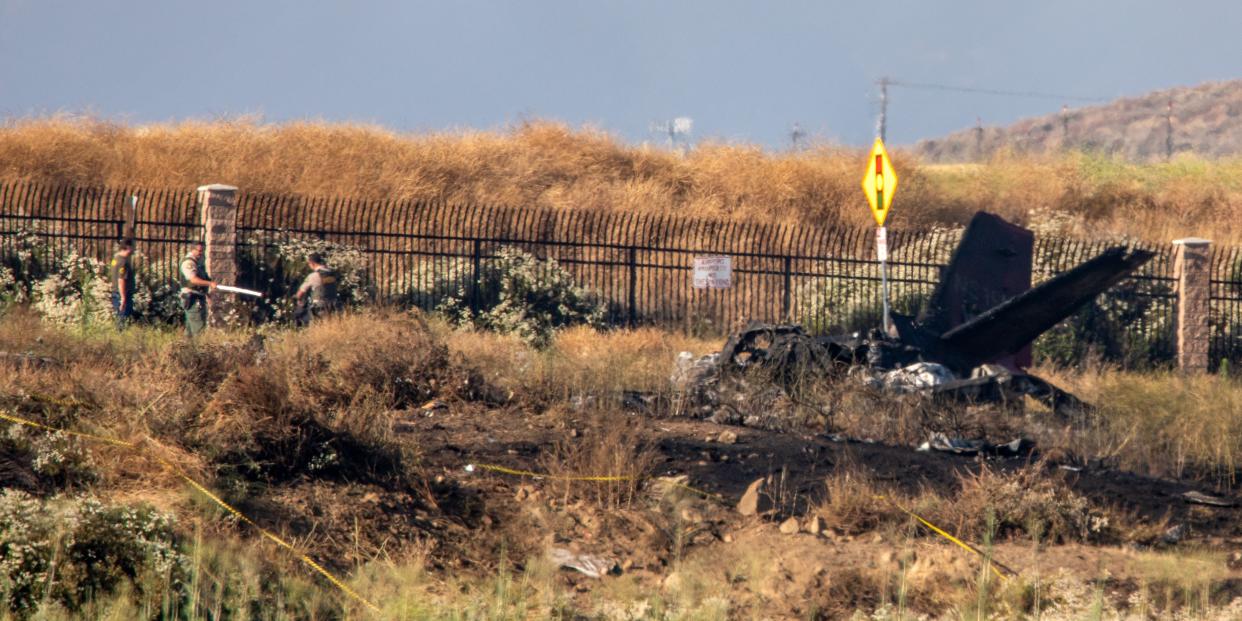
{"x":986,"y":91}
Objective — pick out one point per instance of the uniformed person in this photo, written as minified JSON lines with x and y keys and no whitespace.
{"x":121,"y":277}
{"x":195,"y":285}
{"x":317,"y":296}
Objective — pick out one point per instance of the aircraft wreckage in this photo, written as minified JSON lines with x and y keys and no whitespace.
{"x":969,"y":344}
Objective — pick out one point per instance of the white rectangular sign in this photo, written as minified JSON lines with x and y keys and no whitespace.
{"x":713,"y":272}
{"x":881,"y":243}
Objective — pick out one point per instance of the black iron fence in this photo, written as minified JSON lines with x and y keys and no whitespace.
{"x":41,"y":225}
{"x":424,"y":253}
{"x":1226,"y":305}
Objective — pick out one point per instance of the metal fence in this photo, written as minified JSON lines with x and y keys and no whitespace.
{"x":424,"y":253}
{"x":1226,"y":305}
{"x":41,"y":225}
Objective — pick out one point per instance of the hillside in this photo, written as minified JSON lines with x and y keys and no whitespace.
{"x":550,"y":165}
{"x":1206,"y":121}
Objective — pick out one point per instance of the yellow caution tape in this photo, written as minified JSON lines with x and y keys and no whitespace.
{"x":64,"y":403}
{"x":596,"y":478}
{"x":997,"y":567}
{"x":308,"y":561}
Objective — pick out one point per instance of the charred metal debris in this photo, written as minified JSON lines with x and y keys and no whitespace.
{"x":970,"y":343}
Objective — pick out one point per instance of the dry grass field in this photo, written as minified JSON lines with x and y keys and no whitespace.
{"x":551,"y":165}
{"x":350,"y":440}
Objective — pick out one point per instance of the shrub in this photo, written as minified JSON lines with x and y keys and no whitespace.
{"x":1027,"y":500}
{"x":517,"y":294}
{"x":321,"y":402}
{"x":279,"y":272}
{"x":69,"y":288}
{"x":158,"y":296}
{"x":75,"y":292}
{"x":75,"y":551}
{"x":59,"y":460}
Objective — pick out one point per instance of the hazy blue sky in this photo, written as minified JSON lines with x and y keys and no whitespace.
{"x":742,"y":70}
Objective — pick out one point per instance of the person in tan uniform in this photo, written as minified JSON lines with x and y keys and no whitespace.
{"x":317,"y":297}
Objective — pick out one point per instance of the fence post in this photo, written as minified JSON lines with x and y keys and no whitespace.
{"x":218,"y":210}
{"x":633,"y":264}
{"x":1192,"y":266}
{"x":476,"y":257}
{"x":787,"y":300}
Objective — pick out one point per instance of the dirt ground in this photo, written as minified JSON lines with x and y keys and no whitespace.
{"x":480,"y":515}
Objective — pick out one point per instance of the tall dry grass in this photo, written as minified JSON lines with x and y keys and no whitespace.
{"x":551,"y":165}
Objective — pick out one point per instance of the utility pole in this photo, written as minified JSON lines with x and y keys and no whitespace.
{"x":881,"y":125}
{"x":1065,"y":127}
{"x":1168,"y":131}
{"x":796,"y":134}
{"x":978,"y":139}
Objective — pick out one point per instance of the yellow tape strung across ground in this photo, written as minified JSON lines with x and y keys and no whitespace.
{"x":997,"y":567}
{"x":596,"y":478}
{"x":308,"y":561}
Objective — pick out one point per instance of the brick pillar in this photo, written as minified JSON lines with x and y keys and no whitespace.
{"x":1193,"y":269}
{"x":218,"y":205}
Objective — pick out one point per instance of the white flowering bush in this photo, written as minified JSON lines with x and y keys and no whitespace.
{"x":157,"y":295}
{"x":10,"y":292}
{"x":59,"y":460}
{"x":96,"y":549}
{"x":279,"y":271}
{"x":75,"y":292}
{"x":517,"y":294}
{"x":69,"y":288}
{"x":26,"y":259}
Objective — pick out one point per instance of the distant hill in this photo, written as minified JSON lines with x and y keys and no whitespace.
{"x":1206,"y":120}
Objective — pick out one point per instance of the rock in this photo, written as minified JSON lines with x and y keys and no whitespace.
{"x":790,"y":526}
{"x":727,"y":538}
{"x":877,"y":538}
{"x":727,"y":437}
{"x":691,"y":515}
{"x":1234,"y":561}
{"x":590,"y":565}
{"x":754,"y":500}
{"x":1199,"y":498}
{"x":814,"y":525}
{"x":671,"y":582}
{"x":669,"y":485}
{"x":1174,"y":534}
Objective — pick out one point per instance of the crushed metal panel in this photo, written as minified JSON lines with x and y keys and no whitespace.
{"x":990,"y":265}
{"x":1012,"y":325}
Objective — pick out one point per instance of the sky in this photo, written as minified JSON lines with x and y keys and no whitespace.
{"x":743,"y":71}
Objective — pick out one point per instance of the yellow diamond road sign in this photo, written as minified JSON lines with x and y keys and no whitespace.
{"x":879,"y":182}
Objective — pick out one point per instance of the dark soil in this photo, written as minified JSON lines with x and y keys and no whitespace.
{"x":450,"y":439}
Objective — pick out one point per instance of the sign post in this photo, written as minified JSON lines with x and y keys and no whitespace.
{"x":879,"y":183}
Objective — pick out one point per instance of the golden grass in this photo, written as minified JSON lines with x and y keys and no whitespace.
{"x":1162,"y":423}
{"x":580,"y":361}
{"x":544,"y":164}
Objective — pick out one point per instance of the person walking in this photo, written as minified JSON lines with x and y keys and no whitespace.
{"x":121,"y":277}
{"x":317,"y":297}
{"x":195,"y":285}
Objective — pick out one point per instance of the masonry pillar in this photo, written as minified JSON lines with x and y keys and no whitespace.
{"x":218,"y":204}
{"x":1192,"y":266}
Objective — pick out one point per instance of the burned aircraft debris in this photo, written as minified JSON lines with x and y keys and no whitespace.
{"x":969,"y":344}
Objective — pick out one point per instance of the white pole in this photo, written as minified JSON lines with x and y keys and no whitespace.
{"x":881,"y":249}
